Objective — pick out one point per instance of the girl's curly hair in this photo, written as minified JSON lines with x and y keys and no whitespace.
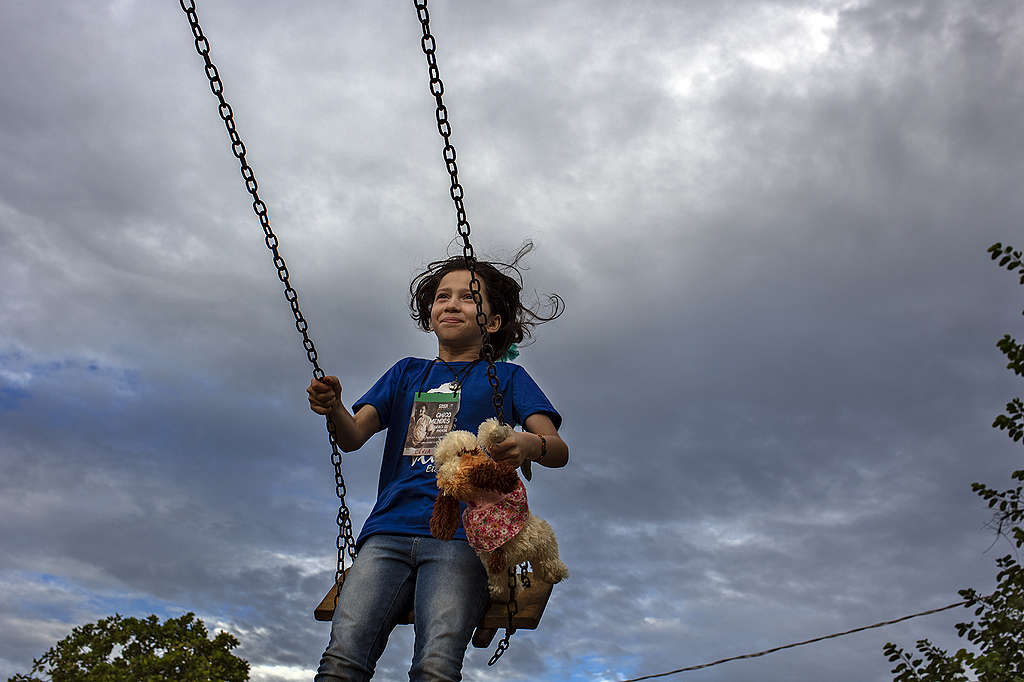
{"x":503,"y":286}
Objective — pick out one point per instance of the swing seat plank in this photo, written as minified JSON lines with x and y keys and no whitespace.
{"x":531,"y":601}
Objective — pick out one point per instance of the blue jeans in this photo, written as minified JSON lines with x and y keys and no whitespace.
{"x":445,"y":583}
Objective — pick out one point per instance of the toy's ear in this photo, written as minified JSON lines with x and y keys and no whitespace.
{"x":491,"y":475}
{"x":492,"y":432}
{"x":445,"y":519}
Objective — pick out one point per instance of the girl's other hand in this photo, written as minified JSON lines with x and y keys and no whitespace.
{"x":324,"y":395}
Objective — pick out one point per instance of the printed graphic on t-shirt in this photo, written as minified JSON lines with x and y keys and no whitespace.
{"x":433,"y":415}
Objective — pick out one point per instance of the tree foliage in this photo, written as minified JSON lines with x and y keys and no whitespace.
{"x":997,"y":632}
{"x":119,"y":649}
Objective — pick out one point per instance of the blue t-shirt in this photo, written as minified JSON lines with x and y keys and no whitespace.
{"x":408,"y":485}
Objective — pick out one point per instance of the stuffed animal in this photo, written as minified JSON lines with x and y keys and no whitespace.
{"x":498,"y":522}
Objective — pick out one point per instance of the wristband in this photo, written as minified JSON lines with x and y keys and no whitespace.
{"x":543,"y":447}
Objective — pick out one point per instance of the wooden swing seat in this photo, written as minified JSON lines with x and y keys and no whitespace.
{"x":531,"y":601}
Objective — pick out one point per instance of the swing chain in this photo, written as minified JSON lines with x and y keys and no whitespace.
{"x":511,"y":608}
{"x":346,"y":542}
{"x":444,"y":127}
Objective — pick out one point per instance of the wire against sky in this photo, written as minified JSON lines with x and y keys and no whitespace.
{"x":967,"y":602}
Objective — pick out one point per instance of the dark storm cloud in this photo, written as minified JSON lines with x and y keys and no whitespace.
{"x":776,"y":365}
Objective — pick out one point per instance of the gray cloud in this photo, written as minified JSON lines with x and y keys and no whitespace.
{"x":777,"y":364}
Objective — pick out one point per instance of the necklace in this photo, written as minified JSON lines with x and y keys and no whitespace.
{"x":465,"y":373}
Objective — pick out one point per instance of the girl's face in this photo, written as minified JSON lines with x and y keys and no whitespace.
{"x":453,"y":312}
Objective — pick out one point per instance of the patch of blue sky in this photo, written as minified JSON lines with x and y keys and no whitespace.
{"x":11,"y":397}
{"x":18,"y":371}
{"x":50,"y":579}
{"x":12,"y":369}
{"x":59,"y":598}
{"x":133,"y":605}
{"x":229,"y":612}
{"x":46,"y":596}
{"x":9,"y":356}
{"x":122,"y":380}
{"x":592,"y":668}
{"x":13,"y":381}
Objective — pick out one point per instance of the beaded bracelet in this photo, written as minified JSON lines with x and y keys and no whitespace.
{"x":543,"y":447}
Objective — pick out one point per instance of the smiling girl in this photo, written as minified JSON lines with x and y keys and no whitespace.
{"x":400,"y":565}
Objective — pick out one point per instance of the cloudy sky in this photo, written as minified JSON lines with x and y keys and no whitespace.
{"x":777,"y":364}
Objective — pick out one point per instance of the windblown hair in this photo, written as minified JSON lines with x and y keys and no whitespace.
{"x":503,"y":286}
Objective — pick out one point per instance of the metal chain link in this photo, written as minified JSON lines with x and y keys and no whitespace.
{"x":444,"y":127}
{"x":345,"y":543}
{"x":511,"y":608}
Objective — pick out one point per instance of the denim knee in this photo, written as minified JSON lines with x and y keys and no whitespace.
{"x":376,"y":592}
{"x":451,"y":595}
{"x":445,"y":582}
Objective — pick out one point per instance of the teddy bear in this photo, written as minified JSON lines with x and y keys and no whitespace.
{"x":497,"y":519}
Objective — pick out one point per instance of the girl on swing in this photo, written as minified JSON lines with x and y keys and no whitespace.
{"x":400,"y":565}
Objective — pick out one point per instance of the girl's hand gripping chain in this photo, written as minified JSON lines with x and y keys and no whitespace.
{"x":325,"y":395}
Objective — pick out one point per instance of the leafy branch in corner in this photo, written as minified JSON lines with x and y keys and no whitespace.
{"x":997,"y":632}
{"x":120,"y":649}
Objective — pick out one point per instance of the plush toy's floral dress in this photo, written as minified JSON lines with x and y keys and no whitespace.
{"x":490,"y":525}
